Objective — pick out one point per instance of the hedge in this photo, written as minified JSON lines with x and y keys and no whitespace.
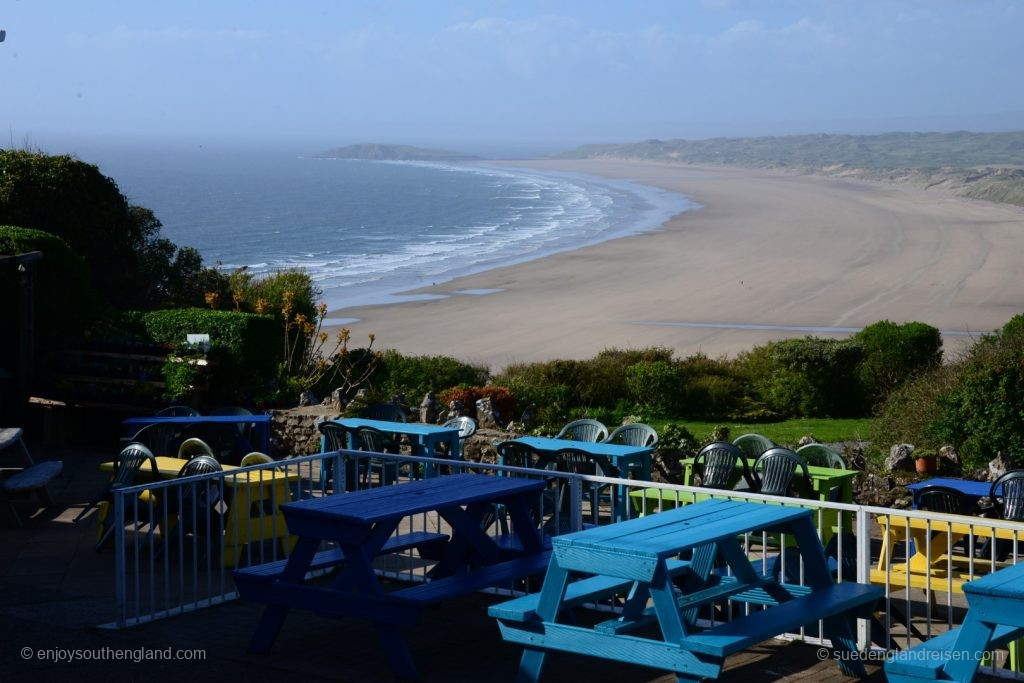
{"x":246,"y":347}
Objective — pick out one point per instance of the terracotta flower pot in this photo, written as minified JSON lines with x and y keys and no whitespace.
{"x":925,"y":465}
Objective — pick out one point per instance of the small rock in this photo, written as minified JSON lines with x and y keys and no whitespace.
{"x":429,"y":408}
{"x":806,"y":440}
{"x":997,"y":467}
{"x":901,"y":458}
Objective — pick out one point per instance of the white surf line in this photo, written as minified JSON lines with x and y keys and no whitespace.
{"x":778,"y":328}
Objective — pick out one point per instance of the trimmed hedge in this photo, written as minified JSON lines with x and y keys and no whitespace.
{"x":247,"y":347}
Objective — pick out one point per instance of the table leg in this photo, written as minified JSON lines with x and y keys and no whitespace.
{"x":274,"y":615}
{"x":973,"y":638}
{"x":551,"y":593}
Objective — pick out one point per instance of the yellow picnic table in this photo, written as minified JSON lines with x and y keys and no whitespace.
{"x":253,"y":507}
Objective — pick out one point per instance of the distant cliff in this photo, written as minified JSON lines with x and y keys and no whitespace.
{"x":376,"y":152}
{"x":979,"y":165}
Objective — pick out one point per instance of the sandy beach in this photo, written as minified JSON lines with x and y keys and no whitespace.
{"x":767,"y":250}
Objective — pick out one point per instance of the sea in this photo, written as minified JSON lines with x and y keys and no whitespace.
{"x":368,"y":231}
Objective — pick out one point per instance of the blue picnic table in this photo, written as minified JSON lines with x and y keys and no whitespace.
{"x":363,"y":525}
{"x":660,"y":567}
{"x":995,"y":617}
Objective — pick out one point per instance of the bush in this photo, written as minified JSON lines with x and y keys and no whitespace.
{"x":808,"y":377}
{"x":908,"y":413}
{"x":656,"y":386}
{"x":981,"y":414}
{"x":893,"y":354}
{"x":245,"y":347}
{"x":601,"y":381}
{"x":130,"y":264}
{"x":65,"y":303}
{"x":416,"y":375}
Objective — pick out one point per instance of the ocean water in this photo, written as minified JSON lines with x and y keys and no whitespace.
{"x":367,"y":231}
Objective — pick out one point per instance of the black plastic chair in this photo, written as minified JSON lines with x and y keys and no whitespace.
{"x":197,"y":505}
{"x":518,"y":454}
{"x":576,"y":461}
{"x":775,"y":469}
{"x":936,"y":498}
{"x":635,"y":434}
{"x":245,"y":429}
{"x":1007,"y":497}
{"x":376,"y":441}
{"x":584,"y":430}
{"x":177,"y":411}
{"x":336,"y":439}
{"x":160,"y":438}
{"x":127,"y":465}
{"x":716,"y":464}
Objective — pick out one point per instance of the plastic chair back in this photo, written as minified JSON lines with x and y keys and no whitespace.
{"x":517,"y":454}
{"x":635,"y":434}
{"x":335,"y":436}
{"x":775,"y":470}
{"x":160,"y":438}
{"x":255,"y":458}
{"x":193,"y":447}
{"x":370,"y":439}
{"x":753,"y":445}
{"x":231,"y":410}
{"x":716,"y":464}
{"x":820,"y":455}
{"x":129,"y":462}
{"x":584,"y":430}
{"x":1007,"y":494}
{"x":465,"y":425}
{"x":940,"y":499}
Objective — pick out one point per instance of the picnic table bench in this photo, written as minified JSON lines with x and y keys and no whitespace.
{"x":363,"y":525}
{"x":995,"y":617}
{"x":667,"y":560}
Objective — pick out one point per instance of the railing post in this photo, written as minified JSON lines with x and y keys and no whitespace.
{"x":120,"y":564}
{"x":575,"y":503}
{"x":863,"y":572}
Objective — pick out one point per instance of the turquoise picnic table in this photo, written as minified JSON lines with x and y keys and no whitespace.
{"x":995,"y":617}
{"x":423,"y":437}
{"x":660,"y":567}
{"x":368,"y":523}
{"x":626,"y":458}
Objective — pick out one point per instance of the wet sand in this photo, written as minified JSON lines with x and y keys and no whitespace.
{"x":769,"y":256}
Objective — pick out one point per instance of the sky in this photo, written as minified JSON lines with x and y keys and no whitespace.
{"x":515,"y":74}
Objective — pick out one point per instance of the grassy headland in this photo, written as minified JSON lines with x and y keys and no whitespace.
{"x":986,"y":166}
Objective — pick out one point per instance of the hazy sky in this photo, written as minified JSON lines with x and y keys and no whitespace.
{"x":538,"y":73}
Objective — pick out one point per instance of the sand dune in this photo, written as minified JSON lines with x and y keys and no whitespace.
{"x":767,"y":250}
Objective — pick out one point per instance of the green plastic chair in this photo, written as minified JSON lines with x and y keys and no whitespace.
{"x":635,"y":434}
{"x":820,"y":455}
{"x":753,"y":445}
{"x":584,"y":430}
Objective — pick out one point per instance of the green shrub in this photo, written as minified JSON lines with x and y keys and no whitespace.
{"x":983,"y":412}
{"x":245,"y":347}
{"x":909,"y":412}
{"x":601,"y":380}
{"x":656,"y":386}
{"x":130,"y":264}
{"x":416,"y":375}
{"x":64,"y":301}
{"x":808,"y":377}
{"x":894,"y":353}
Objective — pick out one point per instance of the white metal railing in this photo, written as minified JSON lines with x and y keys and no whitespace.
{"x":160,"y":572}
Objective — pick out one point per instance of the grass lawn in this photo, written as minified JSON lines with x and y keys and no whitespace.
{"x":786,"y":432}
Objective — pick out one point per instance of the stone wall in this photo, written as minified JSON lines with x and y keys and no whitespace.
{"x":293,"y":432}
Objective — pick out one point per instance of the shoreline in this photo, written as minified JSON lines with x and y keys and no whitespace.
{"x":769,"y":255}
